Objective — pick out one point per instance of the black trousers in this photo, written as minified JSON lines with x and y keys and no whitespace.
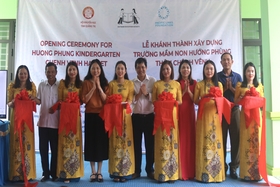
{"x":48,"y":136}
{"x":233,"y":129}
{"x":143,"y":123}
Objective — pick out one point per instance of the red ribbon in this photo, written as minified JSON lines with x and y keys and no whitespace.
{"x":164,"y":112}
{"x":222,"y":104}
{"x":112,"y":113}
{"x":56,"y":106}
{"x":166,"y":96}
{"x":115,"y":98}
{"x":68,"y":113}
{"x":24,"y":108}
{"x":251,"y":104}
{"x":164,"y":115}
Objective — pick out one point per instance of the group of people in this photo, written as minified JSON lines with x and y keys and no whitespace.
{"x":178,"y":144}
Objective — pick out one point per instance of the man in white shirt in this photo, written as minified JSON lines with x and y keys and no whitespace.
{"x":48,"y":122}
{"x":143,"y":118}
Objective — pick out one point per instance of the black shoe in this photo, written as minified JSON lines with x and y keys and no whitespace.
{"x":233,"y":174}
{"x":226,"y":168}
{"x":151,"y":175}
{"x":55,"y":179}
{"x":93,"y":177}
{"x":99,"y":177}
{"x":44,"y":179}
{"x":136,"y":175}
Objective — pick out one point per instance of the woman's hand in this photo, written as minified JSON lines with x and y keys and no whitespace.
{"x":97,"y":82}
{"x":187,"y":87}
{"x":239,"y":99}
{"x":51,"y":111}
{"x":11,"y":104}
{"x":33,"y":98}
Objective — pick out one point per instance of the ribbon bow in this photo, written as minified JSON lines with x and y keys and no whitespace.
{"x":164,"y":112}
{"x":166,"y":96}
{"x":68,"y":113}
{"x":252,"y":92}
{"x":222,"y":104}
{"x":24,"y":108}
{"x":72,"y":97}
{"x":251,"y":104}
{"x":23,"y":95}
{"x":115,"y":98}
{"x":112,"y":113}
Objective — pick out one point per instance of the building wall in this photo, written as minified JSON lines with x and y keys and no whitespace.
{"x":8,"y":9}
{"x":249,"y":9}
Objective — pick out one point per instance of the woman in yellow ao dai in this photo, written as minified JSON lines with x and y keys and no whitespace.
{"x":209,"y":164}
{"x":22,"y":82}
{"x":250,"y":137}
{"x":167,"y":146}
{"x":121,"y":148}
{"x":70,"y":163}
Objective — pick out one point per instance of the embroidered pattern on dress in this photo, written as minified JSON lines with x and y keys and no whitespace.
{"x":211,"y":156}
{"x":205,"y":177}
{"x":252,"y":155}
{"x":124,"y":164}
{"x":214,"y":167}
{"x":27,"y":166}
{"x":120,"y":87}
{"x":72,"y":164}
{"x":171,"y":166}
{"x":17,"y":156}
{"x":254,"y":171}
{"x":167,"y":87}
{"x":122,"y":154}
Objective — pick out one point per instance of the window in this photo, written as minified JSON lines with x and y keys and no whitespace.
{"x":7,"y":43}
{"x":252,"y":44}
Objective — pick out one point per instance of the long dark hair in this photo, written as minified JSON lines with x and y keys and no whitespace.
{"x":78,"y":82}
{"x":102,"y":78}
{"x":215,"y":76}
{"x":125,"y":75}
{"x":190,"y":75}
{"x":168,"y":62}
{"x":255,"y":80}
{"x":28,"y":81}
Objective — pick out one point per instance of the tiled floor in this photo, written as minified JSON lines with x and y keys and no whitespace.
{"x":141,"y":182}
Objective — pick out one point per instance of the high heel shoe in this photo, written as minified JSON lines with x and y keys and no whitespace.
{"x":93,"y":177}
{"x":99,"y":177}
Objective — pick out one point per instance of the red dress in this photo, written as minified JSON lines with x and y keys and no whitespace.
{"x":187,"y":134}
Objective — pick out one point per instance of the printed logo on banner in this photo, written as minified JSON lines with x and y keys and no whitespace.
{"x":128,"y":18}
{"x":163,"y":14}
{"x":88,"y":13}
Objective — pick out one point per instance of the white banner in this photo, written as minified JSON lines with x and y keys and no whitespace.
{"x":64,"y":30}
